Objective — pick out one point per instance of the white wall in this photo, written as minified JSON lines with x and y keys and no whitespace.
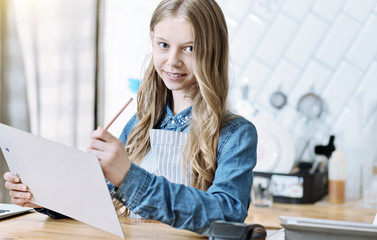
{"x":297,"y":46}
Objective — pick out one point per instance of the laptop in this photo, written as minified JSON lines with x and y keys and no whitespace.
{"x":63,"y":179}
{"x":323,"y":229}
{"x":9,"y":210}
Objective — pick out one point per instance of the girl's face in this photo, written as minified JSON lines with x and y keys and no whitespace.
{"x":173,"y":43}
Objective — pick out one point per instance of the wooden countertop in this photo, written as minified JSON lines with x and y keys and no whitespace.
{"x":349,"y":211}
{"x":39,"y":226}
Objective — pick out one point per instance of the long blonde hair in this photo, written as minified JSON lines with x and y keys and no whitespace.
{"x":209,"y":98}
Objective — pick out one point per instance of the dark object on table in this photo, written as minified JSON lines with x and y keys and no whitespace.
{"x":304,"y":167}
{"x":313,"y":187}
{"x":326,"y":150}
{"x":221,"y":230}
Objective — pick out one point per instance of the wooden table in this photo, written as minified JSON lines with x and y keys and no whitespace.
{"x":38,"y":226}
{"x":349,"y":211}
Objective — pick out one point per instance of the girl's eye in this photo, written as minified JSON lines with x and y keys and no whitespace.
{"x":189,"y":48}
{"x":163,"y":45}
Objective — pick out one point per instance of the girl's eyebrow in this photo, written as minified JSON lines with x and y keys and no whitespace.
{"x":164,"y":40}
{"x":161,"y":39}
{"x":188,"y":42}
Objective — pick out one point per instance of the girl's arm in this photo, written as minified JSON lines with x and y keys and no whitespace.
{"x":154,"y":197}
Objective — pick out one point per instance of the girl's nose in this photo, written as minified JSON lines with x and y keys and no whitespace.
{"x":174,"y":58}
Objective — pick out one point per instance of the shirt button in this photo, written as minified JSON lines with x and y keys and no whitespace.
{"x":172,"y":122}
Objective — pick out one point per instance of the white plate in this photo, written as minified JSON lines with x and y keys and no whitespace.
{"x":275,"y":151}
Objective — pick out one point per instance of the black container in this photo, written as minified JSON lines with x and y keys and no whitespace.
{"x":314,"y":186}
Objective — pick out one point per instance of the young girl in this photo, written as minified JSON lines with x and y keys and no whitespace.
{"x":187,"y":161}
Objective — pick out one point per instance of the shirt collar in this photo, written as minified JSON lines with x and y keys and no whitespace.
{"x":179,"y":121}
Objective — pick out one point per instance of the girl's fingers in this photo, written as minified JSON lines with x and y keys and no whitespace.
{"x":19,"y":201}
{"x":98,"y":153}
{"x":26,"y":196}
{"x":98,"y":145}
{"x":99,"y":133}
{"x":31,"y":205}
{"x":16,"y":186}
{"x":17,"y":190}
{"x":11,"y":177}
{"x":103,"y":135}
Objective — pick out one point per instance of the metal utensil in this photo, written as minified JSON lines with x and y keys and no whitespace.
{"x":310,"y":105}
{"x":278,"y":99}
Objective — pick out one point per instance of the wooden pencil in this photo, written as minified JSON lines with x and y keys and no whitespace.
{"x":116,"y":116}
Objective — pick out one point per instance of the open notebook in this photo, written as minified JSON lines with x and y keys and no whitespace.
{"x":61,"y":178}
{"x":9,"y":210}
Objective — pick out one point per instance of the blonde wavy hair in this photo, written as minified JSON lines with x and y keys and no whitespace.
{"x":209,"y":95}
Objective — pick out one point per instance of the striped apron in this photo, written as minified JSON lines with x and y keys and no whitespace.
{"x":165,"y":157}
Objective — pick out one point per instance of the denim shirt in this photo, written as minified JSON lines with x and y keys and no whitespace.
{"x":185,"y":207}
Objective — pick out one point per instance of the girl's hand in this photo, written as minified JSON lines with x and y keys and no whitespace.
{"x":19,"y":192}
{"x":111,"y":154}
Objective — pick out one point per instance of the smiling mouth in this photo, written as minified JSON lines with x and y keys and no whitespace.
{"x":175,"y":74}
